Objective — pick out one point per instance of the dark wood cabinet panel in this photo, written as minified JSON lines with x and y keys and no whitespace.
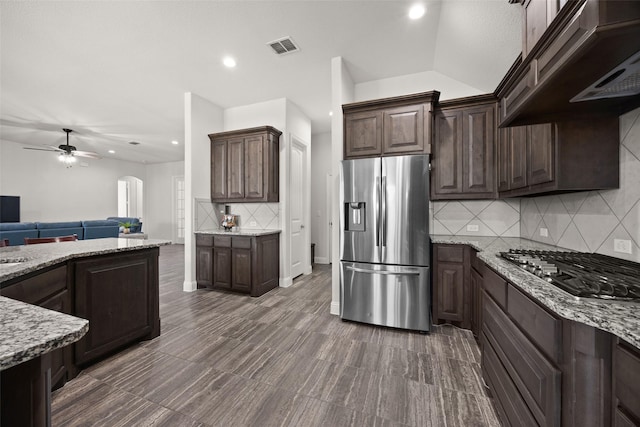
{"x":363,"y":132}
{"x":404,"y":130}
{"x":389,"y":126}
{"x":451,"y":289}
{"x":503,"y":164}
{"x":626,"y":384}
{"x":475,"y":282}
{"x":219,"y":170}
{"x":463,"y":165}
{"x":119,"y":296}
{"x":61,"y":359}
{"x":204,"y":263}
{"x":245,"y":264}
{"x":542,"y":144}
{"x":517,"y":160}
{"x":222,"y":267}
{"x":447,"y":154}
{"x":245,"y":165}
{"x":538,"y":14}
{"x":553,"y":157}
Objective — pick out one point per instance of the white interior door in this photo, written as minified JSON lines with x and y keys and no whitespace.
{"x":299,"y":247}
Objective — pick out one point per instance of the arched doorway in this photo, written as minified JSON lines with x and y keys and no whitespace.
{"x":130,"y":197}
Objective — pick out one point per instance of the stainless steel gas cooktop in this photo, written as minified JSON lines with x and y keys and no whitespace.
{"x":583,"y":275}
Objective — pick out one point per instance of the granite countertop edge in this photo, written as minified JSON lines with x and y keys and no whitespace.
{"x":32,"y":258}
{"x":245,"y":232}
{"x":619,"y":318}
{"x":30,"y":331}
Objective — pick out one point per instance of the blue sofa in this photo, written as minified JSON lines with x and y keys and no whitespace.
{"x":17,"y":231}
{"x":136,"y":225}
{"x":55,"y":229}
{"x":95,"y":229}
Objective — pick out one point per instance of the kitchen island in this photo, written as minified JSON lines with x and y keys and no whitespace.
{"x":548,"y":357}
{"x":28,"y":335}
{"x":113,"y":283}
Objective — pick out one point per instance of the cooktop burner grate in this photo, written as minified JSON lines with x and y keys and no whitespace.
{"x":581,"y":274}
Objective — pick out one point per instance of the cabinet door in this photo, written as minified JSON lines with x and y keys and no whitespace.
{"x":241,"y":270}
{"x":218,"y":170}
{"x":235,"y":169}
{"x":450,"y":292}
{"x":118,"y":295}
{"x":475,"y":283}
{"x":447,"y":153}
{"x":254,"y":167}
{"x":478,"y":136}
{"x":542,"y":143}
{"x":222,"y":267}
{"x":404,"y":130}
{"x":518,"y":157}
{"x":204,"y":266}
{"x":535,"y":23}
{"x":363,"y":134}
{"x":61,"y":359}
{"x":503,"y":160}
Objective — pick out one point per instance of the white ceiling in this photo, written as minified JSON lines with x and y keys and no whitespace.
{"x":117,"y":71}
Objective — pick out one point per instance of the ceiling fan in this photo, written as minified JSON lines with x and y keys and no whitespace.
{"x":68,"y":153}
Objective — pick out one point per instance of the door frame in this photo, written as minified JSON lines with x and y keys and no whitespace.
{"x":306,"y":264}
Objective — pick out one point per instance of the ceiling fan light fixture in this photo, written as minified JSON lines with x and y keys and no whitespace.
{"x":67,"y":158}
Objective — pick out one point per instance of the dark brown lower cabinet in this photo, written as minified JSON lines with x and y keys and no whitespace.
{"x":246,"y":264}
{"x":626,"y":384}
{"x":118,"y":294}
{"x":451,"y":293}
{"x":475,"y":282}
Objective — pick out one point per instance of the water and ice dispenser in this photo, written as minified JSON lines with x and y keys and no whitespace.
{"x":355,"y":216}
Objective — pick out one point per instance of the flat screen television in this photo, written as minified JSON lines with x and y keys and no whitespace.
{"x":9,"y":208}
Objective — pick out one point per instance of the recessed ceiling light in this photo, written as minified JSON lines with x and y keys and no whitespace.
{"x":112,"y":152}
{"x":417,"y":11}
{"x":330,"y":113}
{"x":229,"y":62}
{"x":174,"y":142}
{"x":134,"y":143}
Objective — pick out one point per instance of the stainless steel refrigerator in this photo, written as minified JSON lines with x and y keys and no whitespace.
{"x":384,"y":222}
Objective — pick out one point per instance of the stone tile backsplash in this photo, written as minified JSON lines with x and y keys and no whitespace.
{"x":490,"y":217}
{"x":591,"y":221}
{"x":251,"y":216}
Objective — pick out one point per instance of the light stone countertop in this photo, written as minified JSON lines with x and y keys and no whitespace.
{"x":16,"y":261}
{"x":619,"y":318}
{"x":240,"y":232}
{"x":28,"y":331}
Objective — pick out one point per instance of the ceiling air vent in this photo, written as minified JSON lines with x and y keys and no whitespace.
{"x":283,"y":46}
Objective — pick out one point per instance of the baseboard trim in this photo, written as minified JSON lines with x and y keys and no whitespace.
{"x":189,"y":286}
{"x":335,"y":308}
{"x":285,"y":282}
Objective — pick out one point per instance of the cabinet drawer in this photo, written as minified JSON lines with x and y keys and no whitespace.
{"x":543,"y":328}
{"x":509,"y":403}
{"x":450,"y":253}
{"x":626,"y":377}
{"x":222,"y":241}
{"x":495,"y":286}
{"x":204,"y":240}
{"x":537,"y":380}
{"x":241,"y":242}
{"x":37,"y":289}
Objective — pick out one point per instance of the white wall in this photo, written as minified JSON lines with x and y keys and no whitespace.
{"x":158,"y":190}
{"x":51,"y":192}
{"x":413,"y":83}
{"x":320,"y":217}
{"x":202,"y":117}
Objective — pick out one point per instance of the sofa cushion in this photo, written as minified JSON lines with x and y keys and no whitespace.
{"x":99,"y":223}
{"x":136,"y":224}
{"x":100,"y":228}
{"x":66,"y":224}
{"x":13,"y":226}
{"x":16,"y":237}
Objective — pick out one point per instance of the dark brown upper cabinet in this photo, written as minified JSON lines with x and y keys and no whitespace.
{"x":463,"y":149}
{"x":559,"y":157}
{"x":244,"y":165}
{"x":389,"y":126}
{"x":571,"y":53}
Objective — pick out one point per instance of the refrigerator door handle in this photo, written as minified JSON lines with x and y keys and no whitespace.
{"x":384,"y":272}
{"x":377,"y":210}
{"x":383,"y":229}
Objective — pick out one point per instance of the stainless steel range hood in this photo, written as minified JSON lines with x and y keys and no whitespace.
{"x":623,"y":81}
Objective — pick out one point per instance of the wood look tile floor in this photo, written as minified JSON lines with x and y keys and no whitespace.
{"x":281,"y":359}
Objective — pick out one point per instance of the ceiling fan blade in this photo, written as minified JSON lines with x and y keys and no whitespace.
{"x":40,"y":149}
{"x":87,"y":154}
